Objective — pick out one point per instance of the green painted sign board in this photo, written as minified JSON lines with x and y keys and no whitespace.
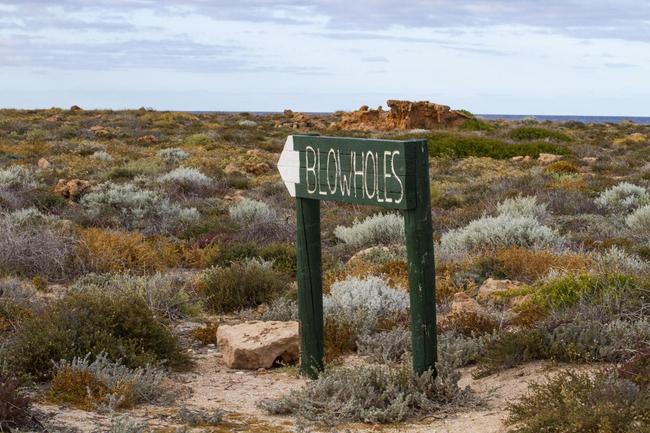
{"x":392,"y":174}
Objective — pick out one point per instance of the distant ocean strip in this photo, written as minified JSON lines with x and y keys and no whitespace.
{"x":557,"y":118}
{"x":641,"y":120}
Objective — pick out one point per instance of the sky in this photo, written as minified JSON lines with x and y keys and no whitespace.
{"x":575,"y":57}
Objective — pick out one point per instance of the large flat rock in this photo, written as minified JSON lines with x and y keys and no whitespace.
{"x":255,"y":344}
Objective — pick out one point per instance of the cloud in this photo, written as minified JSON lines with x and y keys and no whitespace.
{"x":375,"y":59}
{"x":623,"y":19}
{"x":23,"y":50}
{"x":620,"y":65}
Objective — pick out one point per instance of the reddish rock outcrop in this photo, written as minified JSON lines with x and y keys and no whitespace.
{"x":403,"y":115}
{"x":147,"y":139}
{"x":299,"y":121}
{"x":71,"y":189}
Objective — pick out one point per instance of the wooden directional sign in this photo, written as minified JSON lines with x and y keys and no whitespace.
{"x":387,"y":173}
{"x":363,"y":171}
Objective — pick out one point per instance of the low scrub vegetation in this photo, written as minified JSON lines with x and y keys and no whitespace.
{"x":120,"y":326}
{"x":34,"y":244}
{"x":15,"y":411}
{"x":373,"y":394}
{"x":130,"y":207}
{"x":243,"y":284}
{"x":106,"y":384}
{"x":492,"y":233}
{"x":374,"y":230}
{"x":127,"y":238}
{"x":614,"y":404}
{"x":622,"y":197}
{"x":462,"y":146}
{"x":537,"y":133}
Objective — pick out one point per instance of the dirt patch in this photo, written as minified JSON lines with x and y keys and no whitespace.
{"x":210,"y":385}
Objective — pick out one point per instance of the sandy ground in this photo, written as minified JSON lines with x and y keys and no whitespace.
{"x":210,"y":385}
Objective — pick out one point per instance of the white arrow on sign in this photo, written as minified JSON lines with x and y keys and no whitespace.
{"x":289,"y":166}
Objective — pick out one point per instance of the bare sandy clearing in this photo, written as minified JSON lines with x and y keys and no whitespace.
{"x":210,"y":385}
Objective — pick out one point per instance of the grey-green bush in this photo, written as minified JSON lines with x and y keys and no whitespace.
{"x":130,"y":207}
{"x":169,"y":295}
{"x":34,"y":244}
{"x":373,"y":394}
{"x":380,"y":229}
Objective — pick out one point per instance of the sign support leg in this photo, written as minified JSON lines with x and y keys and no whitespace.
{"x":419,"y":245}
{"x":310,"y":286}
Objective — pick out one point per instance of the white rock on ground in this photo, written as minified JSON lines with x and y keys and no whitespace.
{"x":547,"y":158}
{"x":255,"y":344}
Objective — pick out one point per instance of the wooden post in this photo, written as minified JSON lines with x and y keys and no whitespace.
{"x":310,"y":286}
{"x":419,"y":245}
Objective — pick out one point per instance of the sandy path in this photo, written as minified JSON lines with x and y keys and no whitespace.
{"x":210,"y":385}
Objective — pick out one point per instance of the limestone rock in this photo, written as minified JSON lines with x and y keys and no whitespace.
{"x":101,"y":131}
{"x":256,"y":344}
{"x":403,"y":115}
{"x":296,"y":120}
{"x":147,"y":139}
{"x":547,"y":158}
{"x":462,"y":304}
{"x":247,"y":123}
{"x":43,"y":164}
{"x":491,"y":288}
{"x":232,"y":168}
{"x":71,"y":189}
{"x":590,"y":159}
{"x":370,"y":250}
{"x":257,"y":168}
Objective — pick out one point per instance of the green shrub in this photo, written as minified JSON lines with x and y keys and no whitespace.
{"x":198,"y":140}
{"x":243,"y":284}
{"x":566,"y":291}
{"x":512,"y":349}
{"x":168,"y":295}
{"x":372,"y":394}
{"x":580,"y":340}
{"x":537,"y":133}
{"x":237,"y":180}
{"x":282,"y":255}
{"x":574,"y":402}
{"x":561,"y":167}
{"x":79,"y":324}
{"x":460,"y":146}
{"x":132,"y":169}
{"x":476,"y":124}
